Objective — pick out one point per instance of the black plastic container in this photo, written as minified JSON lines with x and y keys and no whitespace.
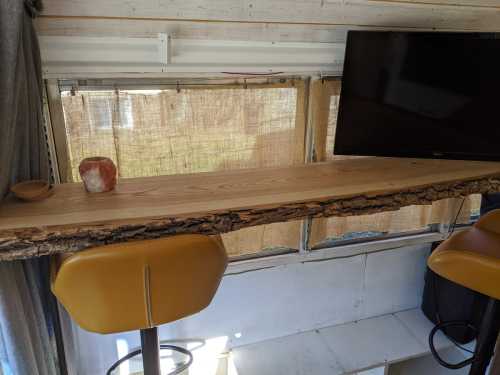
{"x":445,"y":301}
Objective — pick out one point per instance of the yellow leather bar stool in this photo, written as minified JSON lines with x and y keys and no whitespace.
{"x":472,"y":258}
{"x":140,"y":285}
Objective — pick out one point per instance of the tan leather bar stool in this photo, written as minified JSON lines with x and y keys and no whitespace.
{"x":472,"y":258}
{"x":140,"y":285}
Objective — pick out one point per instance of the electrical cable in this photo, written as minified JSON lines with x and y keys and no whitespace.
{"x":439,"y":327}
{"x":452,"y":227}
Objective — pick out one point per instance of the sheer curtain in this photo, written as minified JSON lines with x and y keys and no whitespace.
{"x":26,"y":342}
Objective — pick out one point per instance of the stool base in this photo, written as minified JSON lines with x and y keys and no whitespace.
{"x":150,"y":345}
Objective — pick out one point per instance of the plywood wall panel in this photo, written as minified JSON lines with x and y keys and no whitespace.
{"x":438,"y":14}
{"x":465,"y":3}
{"x":418,"y":15}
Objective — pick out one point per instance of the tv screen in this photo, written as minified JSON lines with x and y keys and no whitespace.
{"x":428,"y":95}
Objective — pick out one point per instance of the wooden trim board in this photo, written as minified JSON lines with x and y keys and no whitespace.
{"x":58,"y":130}
{"x":219,"y":202}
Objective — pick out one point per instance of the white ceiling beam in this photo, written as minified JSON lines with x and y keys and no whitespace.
{"x":94,"y":55}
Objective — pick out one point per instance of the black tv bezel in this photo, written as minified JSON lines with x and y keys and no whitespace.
{"x":435,"y":154}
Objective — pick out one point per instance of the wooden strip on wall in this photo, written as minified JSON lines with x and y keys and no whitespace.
{"x":59,"y":130}
{"x":301,"y":120}
{"x":321,"y":94}
{"x":332,"y":12}
{"x":322,"y":90}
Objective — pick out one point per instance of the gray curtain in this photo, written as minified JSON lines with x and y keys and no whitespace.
{"x":23,"y":153}
{"x":27,"y":344}
{"x":26,"y":340}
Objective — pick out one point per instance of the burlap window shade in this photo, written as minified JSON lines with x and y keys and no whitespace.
{"x":199,"y":129}
{"x":325,"y":100}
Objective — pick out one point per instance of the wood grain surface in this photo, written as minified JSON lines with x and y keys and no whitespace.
{"x":220,"y":202}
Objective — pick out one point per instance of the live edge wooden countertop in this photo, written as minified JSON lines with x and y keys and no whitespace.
{"x":219,"y":202}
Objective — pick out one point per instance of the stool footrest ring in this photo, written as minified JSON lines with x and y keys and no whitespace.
{"x":134,"y":353}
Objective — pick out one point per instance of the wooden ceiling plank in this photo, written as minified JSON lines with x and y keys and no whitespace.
{"x":460,"y":14}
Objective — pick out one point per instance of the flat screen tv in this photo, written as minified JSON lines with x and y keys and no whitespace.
{"x":420,"y":94}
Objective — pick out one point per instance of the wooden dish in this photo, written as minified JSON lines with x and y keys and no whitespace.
{"x":31,"y":191}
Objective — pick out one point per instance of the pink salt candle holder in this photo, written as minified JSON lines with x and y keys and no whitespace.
{"x":98,"y":174}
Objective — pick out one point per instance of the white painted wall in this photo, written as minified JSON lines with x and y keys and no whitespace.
{"x":286,"y":299}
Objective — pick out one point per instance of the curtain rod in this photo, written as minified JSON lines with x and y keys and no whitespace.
{"x":151,"y":83}
{"x":184,"y":80}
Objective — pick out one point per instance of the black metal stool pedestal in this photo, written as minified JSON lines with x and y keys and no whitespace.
{"x":150,"y":345}
{"x":486,"y":341}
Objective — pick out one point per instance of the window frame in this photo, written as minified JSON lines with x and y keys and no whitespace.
{"x":310,"y":125}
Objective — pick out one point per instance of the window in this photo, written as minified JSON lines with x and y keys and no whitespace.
{"x":191,"y":129}
{"x":151,"y":129}
{"x":327,"y":232}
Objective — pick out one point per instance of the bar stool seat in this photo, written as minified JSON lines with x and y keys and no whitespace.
{"x":139,"y":285}
{"x":471,"y":258}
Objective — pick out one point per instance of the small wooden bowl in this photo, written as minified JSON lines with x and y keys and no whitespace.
{"x":32,"y":191}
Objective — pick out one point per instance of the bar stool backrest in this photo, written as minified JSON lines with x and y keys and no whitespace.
{"x":140,"y":284}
